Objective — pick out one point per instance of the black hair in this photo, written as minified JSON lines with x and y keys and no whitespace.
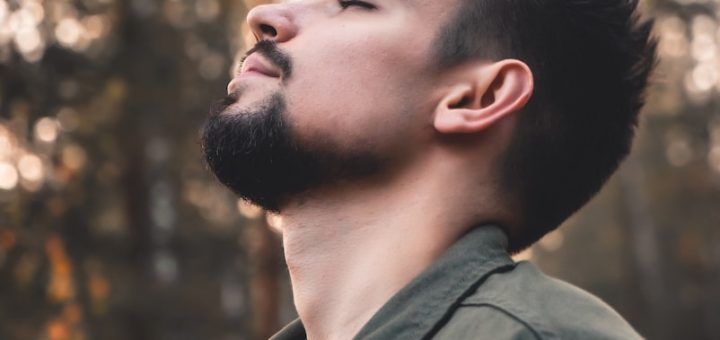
{"x":591,"y":60}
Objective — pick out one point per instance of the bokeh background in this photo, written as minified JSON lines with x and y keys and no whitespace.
{"x":110,"y":227}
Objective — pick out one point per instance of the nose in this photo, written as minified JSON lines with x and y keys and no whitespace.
{"x":272,"y":22}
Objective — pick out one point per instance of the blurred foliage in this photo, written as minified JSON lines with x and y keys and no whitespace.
{"x":110,"y":227}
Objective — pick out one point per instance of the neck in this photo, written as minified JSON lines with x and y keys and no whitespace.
{"x":349,"y":251}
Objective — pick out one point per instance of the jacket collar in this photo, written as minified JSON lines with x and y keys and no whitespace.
{"x":419,"y":309}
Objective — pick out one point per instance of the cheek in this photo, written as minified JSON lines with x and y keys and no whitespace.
{"x":344,"y":115}
{"x":354,"y":91}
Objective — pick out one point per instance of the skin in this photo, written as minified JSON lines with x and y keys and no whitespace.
{"x":367,"y":79}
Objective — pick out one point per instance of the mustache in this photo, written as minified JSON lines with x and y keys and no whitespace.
{"x":270,"y":50}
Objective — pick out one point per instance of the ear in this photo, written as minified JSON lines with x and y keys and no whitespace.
{"x":483,"y":96}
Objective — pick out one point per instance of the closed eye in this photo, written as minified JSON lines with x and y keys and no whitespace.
{"x":348,"y":3}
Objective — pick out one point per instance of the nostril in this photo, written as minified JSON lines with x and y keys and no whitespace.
{"x":269,"y":30}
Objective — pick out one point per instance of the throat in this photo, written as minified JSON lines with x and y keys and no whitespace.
{"x":343,"y":274}
{"x":349,"y":251}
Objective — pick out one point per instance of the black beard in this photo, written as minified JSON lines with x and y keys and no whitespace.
{"x":255,"y":154}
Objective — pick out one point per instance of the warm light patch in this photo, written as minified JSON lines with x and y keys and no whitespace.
{"x":46,"y":130}
{"x":552,"y":241}
{"x":6,"y":142}
{"x":8,"y":176}
{"x":248,"y":210}
{"x":74,"y":157}
{"x":31,"y":168}
{"x":275,"y":221}
{"x":525,"y":255}
{"x":68,"y":32}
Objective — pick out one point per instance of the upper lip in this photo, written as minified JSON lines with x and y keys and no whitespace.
{"x":256,"y":63}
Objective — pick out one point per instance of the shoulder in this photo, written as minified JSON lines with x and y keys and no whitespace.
{"x":524,"y":303}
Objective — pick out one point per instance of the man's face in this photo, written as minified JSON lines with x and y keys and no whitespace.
{"x":356,"y":103}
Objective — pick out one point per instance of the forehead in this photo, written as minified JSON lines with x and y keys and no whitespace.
{"x":439,"y":5}
{"x":432,"y":12}
{"x":437,"y":9}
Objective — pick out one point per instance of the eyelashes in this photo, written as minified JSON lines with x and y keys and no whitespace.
{"x":362,"y":4}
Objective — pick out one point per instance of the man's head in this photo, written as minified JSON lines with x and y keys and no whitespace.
{"x":350,"y":104}
{"x":360,"y":91}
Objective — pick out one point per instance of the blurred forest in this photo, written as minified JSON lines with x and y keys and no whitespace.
{"x":111,"y":228}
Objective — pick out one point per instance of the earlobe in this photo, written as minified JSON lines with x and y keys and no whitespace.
{"x":483,"y":96}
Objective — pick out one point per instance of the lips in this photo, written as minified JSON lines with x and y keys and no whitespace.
{"x":254,"y":65}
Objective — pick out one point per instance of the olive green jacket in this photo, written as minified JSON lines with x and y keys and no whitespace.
{"x":476,"y":291}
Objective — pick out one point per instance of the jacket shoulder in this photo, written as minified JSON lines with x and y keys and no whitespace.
{"x":485,"y":322}
{"x":524,"y":303}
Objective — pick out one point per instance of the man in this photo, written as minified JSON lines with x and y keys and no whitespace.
{"x":410,"y":146}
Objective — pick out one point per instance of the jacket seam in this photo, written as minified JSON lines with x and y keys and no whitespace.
{"x":499,"y":266}
{"x":512,"y":315}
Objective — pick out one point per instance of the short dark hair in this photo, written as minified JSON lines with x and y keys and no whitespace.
{"x":591,"y":60}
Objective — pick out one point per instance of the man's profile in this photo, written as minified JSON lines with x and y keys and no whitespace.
{"x":411,"y":146}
